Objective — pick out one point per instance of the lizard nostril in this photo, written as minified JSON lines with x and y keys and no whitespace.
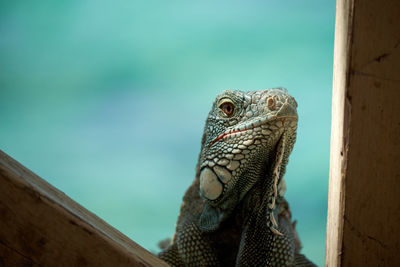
{"x":271,"y":103}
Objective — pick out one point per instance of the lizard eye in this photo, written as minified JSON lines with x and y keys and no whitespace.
{"x":227,"y":107}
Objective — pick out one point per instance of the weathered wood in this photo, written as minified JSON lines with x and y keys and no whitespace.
{"x":364,"y":191}
{"x":339,"y":133}
{"x":41,"y":226}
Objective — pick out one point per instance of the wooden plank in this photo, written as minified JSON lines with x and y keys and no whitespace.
{"x":41,"y":226}
{"x":364,"y":191}
{"x":339,"y":132}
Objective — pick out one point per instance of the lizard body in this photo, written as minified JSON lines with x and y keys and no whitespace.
{"x":234,"y":213}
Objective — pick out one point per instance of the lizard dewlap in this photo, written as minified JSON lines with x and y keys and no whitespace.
{"x":235,"y":213}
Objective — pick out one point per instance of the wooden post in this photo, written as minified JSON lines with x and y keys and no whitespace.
{"x":41,"y":226}
{"x":364,"y":183}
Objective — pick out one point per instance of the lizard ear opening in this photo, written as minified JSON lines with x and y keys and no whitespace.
{"x":210,"y":218}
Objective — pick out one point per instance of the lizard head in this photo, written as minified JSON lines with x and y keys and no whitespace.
{"x":247,"y":139}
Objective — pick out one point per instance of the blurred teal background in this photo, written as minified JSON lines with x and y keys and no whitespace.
{"x":107,"y":100}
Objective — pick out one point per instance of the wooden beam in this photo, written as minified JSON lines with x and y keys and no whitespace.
{"x":364,"y":191}
{"x":339,"y":132}
{"x":41,"y":226}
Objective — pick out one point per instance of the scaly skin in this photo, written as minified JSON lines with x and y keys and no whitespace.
{"x":234,"y":213}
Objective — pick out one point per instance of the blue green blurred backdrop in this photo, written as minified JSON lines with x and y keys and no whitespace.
{"x":106,"y":100}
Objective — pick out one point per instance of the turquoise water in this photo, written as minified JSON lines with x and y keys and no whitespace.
{"x":106,"y":100}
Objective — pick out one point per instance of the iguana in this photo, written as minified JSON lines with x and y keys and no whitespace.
{"x":234,"y":213}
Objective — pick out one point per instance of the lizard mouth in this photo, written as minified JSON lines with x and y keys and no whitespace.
{"x":250,"y":126}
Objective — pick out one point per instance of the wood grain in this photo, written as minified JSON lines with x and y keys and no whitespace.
{"x":339,"y":132}
{"x":41,"y":226}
